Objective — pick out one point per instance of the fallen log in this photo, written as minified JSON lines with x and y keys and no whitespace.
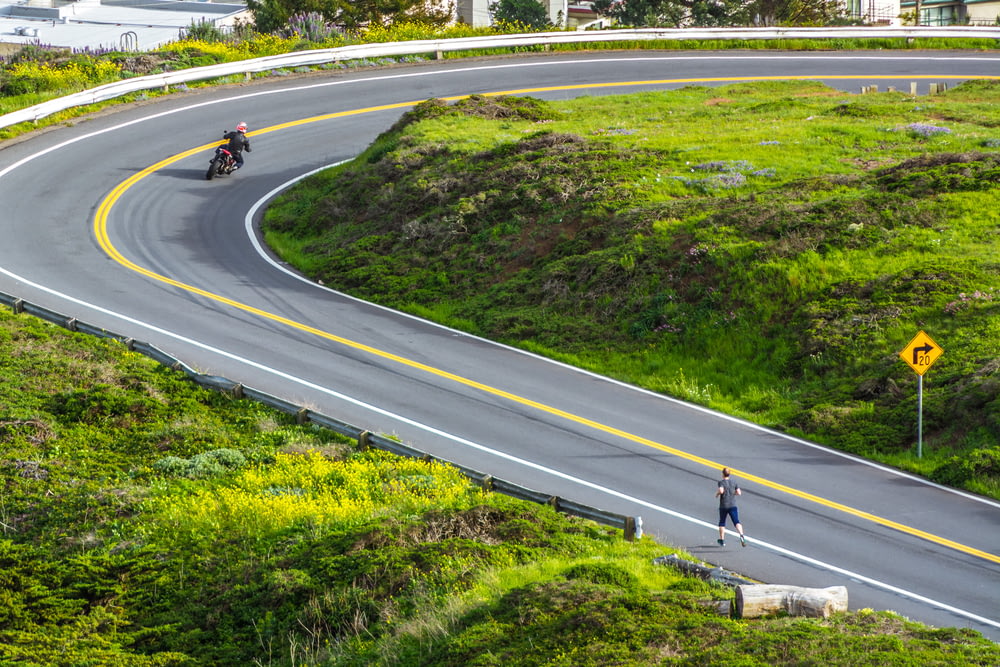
{"x":706,"y":572}
{"x":756,"y":600}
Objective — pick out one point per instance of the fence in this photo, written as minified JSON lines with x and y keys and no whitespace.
{"x":437,"y":47}
{"x":629,"y":525}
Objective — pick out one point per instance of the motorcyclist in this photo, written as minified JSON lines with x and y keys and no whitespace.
{"x":238,"y":142}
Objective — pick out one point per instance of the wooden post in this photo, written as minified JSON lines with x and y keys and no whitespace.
{"x":756,"y":600}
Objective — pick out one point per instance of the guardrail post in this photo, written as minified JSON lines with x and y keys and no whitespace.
{"x":553,"y":502}
{"x":913,"y":88}
{"x":71,"y":324}
{"x":238,"y":390}
{"x":488,"y":482}
{"x":933,"y":89}
{"x":302,"y":416}
{"x":630,"y":529}
{"x":17,"y":306}
{"x":363,"y":440}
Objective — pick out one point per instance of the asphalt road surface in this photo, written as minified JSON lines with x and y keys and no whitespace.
{"x":109,"y":219}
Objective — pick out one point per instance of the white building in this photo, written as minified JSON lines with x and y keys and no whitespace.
{"x":112,"y":24}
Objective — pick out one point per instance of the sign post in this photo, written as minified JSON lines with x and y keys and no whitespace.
{"x":920,"y":354}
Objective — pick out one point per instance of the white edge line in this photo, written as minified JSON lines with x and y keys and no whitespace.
{"x":513,"y":459}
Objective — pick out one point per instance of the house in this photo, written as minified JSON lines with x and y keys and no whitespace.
{"x":577,"y":14}
{"x":955,"y":12}
{"x":108,"y":24}
{"x":874,"y":12}
{"x":580,"y":14}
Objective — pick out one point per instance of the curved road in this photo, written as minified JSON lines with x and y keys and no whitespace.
{"x":110,"y":220}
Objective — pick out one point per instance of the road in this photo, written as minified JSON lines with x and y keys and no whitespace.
{"x":110,"y":220}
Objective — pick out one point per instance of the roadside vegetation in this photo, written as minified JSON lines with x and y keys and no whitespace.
{"x":148,"y":522}
{"x":762,"y":249}
{"x":38,"y":72}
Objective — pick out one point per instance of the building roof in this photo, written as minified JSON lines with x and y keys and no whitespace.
{"x":107,"y":24}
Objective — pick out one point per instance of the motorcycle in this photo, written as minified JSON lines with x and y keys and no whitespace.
{"x":222,"y":164}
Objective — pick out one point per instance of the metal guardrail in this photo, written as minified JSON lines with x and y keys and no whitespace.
{"x":437,"y":47}
{"x":630,"y":526}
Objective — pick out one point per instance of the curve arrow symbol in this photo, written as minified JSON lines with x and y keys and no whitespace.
{"x":926,"y":347}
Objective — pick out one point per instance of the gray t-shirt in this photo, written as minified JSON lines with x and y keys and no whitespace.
{"x":729,"y":488}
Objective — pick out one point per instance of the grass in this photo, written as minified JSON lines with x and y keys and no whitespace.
{"x":763,"y":249}
{"x":149,"y":522}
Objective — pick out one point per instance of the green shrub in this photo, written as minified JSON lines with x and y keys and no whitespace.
{"x":201,"y":466}
{"x":607,"y":574}
{"x":976,"y":464}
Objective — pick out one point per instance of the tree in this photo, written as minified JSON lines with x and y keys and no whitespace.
{"x":720,"y":13}
{"x":796,"y":12}
{"x":529,"y":13}
{"x":274,"y":15}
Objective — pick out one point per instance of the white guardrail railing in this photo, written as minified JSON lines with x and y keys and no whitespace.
{"x":440,"y":46}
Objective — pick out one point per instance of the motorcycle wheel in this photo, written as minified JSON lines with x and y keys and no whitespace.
{"x":212,"y":167}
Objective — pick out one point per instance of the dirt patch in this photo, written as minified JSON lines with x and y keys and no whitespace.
{"x":9,"y":48}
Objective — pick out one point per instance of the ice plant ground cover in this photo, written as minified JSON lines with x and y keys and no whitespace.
{"x":148,"y":522}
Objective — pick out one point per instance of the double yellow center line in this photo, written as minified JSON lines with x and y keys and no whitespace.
{"x":101,"y":232}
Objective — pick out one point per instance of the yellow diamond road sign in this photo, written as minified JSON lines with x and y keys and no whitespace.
{"x":921,"y":352}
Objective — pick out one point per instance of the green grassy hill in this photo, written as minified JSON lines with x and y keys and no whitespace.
{"x":763,"y":249}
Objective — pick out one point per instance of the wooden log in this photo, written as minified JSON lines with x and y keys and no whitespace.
{"x":756,"y":600}
{"x":706,"y":572}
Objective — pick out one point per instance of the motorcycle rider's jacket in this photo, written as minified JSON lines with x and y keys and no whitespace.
{"x":238,"y":142}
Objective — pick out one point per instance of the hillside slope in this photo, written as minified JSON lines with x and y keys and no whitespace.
{"x":764,"y":249}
